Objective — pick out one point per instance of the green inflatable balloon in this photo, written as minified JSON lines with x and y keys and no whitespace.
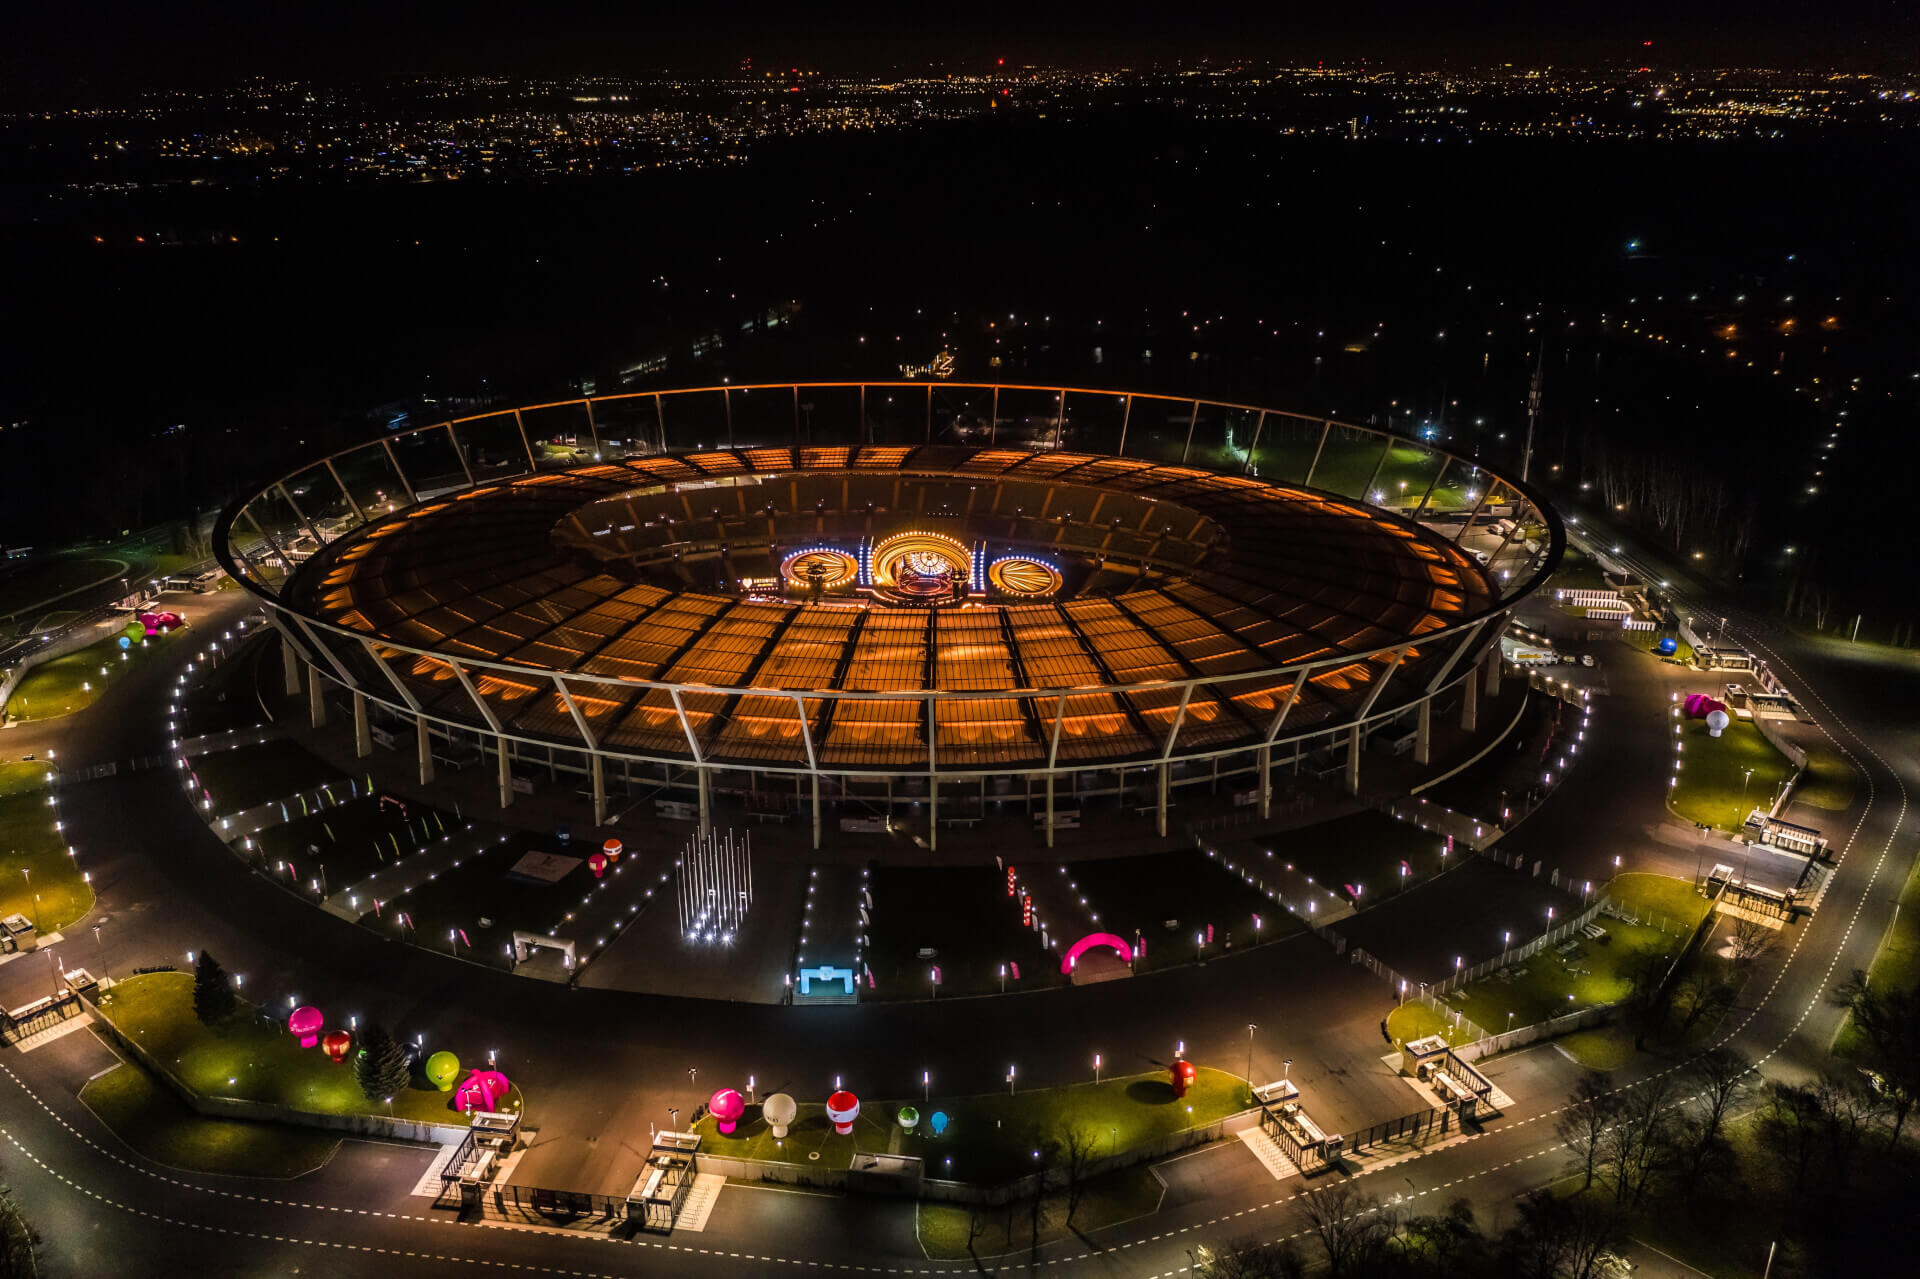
{"x":442,"y":1069}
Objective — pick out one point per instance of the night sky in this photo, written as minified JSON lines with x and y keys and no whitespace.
{"x":107,"y":42}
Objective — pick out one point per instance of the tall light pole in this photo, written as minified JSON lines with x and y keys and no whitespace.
{"x":1533,"y":410}
{"x":1250,"y":1029}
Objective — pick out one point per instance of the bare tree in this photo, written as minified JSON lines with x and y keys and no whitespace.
{"x":976,"y":1227}
{"x":1750,"y":939}
{"x":1847,"y":1109}
{"x":1078,"y":1146}
{"x":1640,"y":1143}
{"x":1723,"y":1076}
{"x":1890,"y":1020}
{"x":1583,"y":1124}
{"x":1556,"y":1238}
{"x":1793,"y":1125}
{"x":1352,"y":1226}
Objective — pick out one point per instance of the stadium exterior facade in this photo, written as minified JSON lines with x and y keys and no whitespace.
{"x":929,"y":599}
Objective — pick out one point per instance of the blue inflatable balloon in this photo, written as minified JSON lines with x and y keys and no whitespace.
{"x":125,"y":642}
{"x":938,"y":1122}
{"x":1668,"y":646}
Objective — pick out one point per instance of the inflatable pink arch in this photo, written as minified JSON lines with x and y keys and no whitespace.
{"x":1089,"y":942}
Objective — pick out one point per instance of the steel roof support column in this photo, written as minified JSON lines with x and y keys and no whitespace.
{"x":406,"y":694}
{"x":1426,"y":497}
{"x":506,"y":771}
{"x":525,"y":443}
{"x":316,"y":698}
{"x":1470,"y":700}
{"x":1126,"y":415}
{"x":362,"y":730}
{"x":399,"y":472}
{"x":597,"y":765}
{"x":1160,"y":808}
{"x":706,"y":800}
{"x":593,"y":428}
{"x":993,"y":436}
{"x":346,"y":676}
{"x":300,"y":515}
{"x":816,"y":810}
{"x":660,"y":420}
{"x":796,"y":422}
{"x":423,"y":745}
{"x":864,"y":439}
{"x":1460,"y":650}
{"x":1379,"y":686}
{"x":289,"y":656}
{"x":1258,"y":426}
{"x":1053,"y":748}
{"x":461,"y":454}
{"x":929,"y":439}
{"x":1186,"y":695}
{"x":352,"y":505}
{"x":1192,"y":421}
{"x":1353,"y":758}
{"x":1423,"y":733}
{"x":1049,"y":809}
{"x":1493,"y":670}
{"x":1468,"y":523}
{"x":1293,"y":695}
{"x":1326,"y":429}
{"x":726,"y":401}
{"x":933,"y":782}
{"x":480,"y":703}
{"x":1366,"y":494}
{"x":1265,"y":761}
{"x":1060,"y":421}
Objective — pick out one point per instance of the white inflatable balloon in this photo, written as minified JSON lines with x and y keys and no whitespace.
{"x":778,"y":1110}
{"x":1716,"y":722}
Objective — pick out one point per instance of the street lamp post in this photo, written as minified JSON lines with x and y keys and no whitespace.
{"x":1250,"y":1029}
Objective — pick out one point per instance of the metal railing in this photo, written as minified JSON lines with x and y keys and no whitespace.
{"x":298,"y":514}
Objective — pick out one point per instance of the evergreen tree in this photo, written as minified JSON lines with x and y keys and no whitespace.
{"x":213,"y":997}
{"x":381,"y":1065}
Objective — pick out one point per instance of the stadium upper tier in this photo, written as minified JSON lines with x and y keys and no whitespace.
{"x":636,"y":608}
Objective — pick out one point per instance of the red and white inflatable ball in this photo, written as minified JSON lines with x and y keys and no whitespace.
{"x":843,"y":1108}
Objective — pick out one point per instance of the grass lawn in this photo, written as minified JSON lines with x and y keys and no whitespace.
{"x":1578,"y":571}
{"x":1601,"y":1048}
{"x":73,"y":683}
{"x":24,"y":778}
{"x":1413,"y":1020}
{"x":963,"y":913}
{"x":248,"y":776}
{"x":1714,"y":788}
{"x":1829,"y":781}
{"x":992,"y":1137}
{"x":251,"y":1056}
{"x":1106,"y":1200}
{"x":1550,"y":985}
{"x":46,"y":582}
{"x":1647,"y":894}
{"x":1896,"y":964}
{"x":51,"y":892}
{"x":157,"y":1124}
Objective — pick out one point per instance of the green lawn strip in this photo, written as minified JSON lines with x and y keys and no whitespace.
{"x":74,"y":682}
{"x":1551,"y":985}
{"x":1713,"y":786}
{"x":1364,"y":849}
{"x":251,"y":1056}
{"x":46,"y":582}
{"x":991,"y":1138}
{"x":1106,"y":1200}
{"x":479,"y":888}
{"x":1648,"y":894}
{"x":1140,"y":896}
{"x":962,"y":913}
{"x":157,"y":1124}
{"x":24,"y":778}
{"x":1413,"y":1020}
{"x":1895,"y":966}
{"x":52,"y":892}
{"x":1600,"y":1048}
{"x":248,"y":776}
{"x":1578,"y":571}
{"x":1829,"y":780}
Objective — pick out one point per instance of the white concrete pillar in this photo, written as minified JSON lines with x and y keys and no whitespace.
{"x":290,"y":666}
{"x":1160,"y":804}
{"x":816,"y":810}
{"x":1355,"y":739}
{"x":706,"y":801}
{"x":504,"y":753}
{"x":1470,"y":700}
{"x":1493,"y":671}
{"x":316,"y":697}
{"x":599,"y":769}
{"x":362,"y":731}
{"x":1049,"y":810}
{"x":424,"y":744}
{"x":933,"y":812}
{"x":1423,"y":734}
{"x":1265,"y":771}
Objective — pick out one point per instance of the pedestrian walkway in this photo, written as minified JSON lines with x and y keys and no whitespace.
{"x":278,"y":812}
{"x":430,"y":1186}
{"x":1268,"y":1152}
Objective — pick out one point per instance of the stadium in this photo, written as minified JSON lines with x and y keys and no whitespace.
{"x":892,"y":606}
